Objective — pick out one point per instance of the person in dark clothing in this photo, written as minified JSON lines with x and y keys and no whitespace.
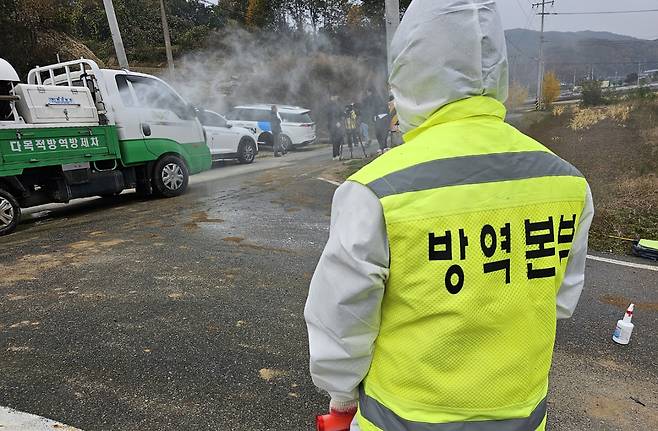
{"x":382,"y":122}
{"x":369,"y":107}
{"x":335,"y":126}
{"x":275,"y":125}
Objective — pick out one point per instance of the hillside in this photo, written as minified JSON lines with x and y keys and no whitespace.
{"x":576,"y":53}
{"x":616,"y":148}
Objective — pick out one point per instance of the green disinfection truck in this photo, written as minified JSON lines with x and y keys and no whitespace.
{"x":75,"y":130}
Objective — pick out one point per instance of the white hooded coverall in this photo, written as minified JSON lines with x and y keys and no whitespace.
{"x":443,"y":51}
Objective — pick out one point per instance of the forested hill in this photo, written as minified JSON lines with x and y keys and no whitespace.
{"x":344,"y":26}
{"x":576,"y":53}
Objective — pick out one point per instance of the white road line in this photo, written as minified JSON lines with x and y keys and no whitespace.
{"x":623,"y":263}
{"x":13,"y":420}
{"x":336,"y":183}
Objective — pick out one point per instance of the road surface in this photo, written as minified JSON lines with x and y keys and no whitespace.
{"x":186,"y":313}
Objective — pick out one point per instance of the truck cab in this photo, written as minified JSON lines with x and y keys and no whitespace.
{"x":75,"y":130}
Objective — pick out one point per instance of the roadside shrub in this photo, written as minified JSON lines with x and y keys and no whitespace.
{"x":592,"y":93}
{"x":642,"y":93}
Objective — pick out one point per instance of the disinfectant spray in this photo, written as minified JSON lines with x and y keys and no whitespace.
{"x":624,"y":327}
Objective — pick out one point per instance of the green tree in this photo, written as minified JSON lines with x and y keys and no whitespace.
{"x":592,"y":93}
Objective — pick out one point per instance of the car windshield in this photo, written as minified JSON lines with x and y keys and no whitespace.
{"x":296,"y":118}
{"x":211,"y":119}
{"x":233,"y":115}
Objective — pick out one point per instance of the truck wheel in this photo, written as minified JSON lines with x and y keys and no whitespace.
{"x":171,"y":176}
{"x":246,"y":151}
{"x":10,"y":213}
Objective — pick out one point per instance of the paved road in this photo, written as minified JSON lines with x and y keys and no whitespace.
{"x":186,"y":313}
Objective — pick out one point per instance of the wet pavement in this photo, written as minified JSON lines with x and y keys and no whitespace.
{"x":187,"y":313}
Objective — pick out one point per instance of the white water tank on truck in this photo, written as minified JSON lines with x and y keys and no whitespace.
{"x":8,"y":77}
{"x":56,"y":104}
{"x":7,"y":72}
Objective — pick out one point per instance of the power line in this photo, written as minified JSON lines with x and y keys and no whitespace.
{"x":530,"y":21}
{"x":514,"y":45}
{"x":608,"y":12}
{"x":600,"y":63}
{"x":522,"y":9}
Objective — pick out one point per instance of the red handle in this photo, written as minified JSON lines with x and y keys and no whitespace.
{"x":334,"y":422}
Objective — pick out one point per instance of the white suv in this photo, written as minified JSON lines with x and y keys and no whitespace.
{"x":225,"y":140}
{"x":298,"y":129}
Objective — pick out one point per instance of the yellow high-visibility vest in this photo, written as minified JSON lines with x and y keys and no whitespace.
{"x":351,"y":121}
{"x":480,"y":219}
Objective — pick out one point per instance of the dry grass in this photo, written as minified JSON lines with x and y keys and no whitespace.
{"x":616,"y":148}
{"x":650,"y":136}
{"x":585,"y":118}
{"x":631,"y":211}
{"x":619,"y":113}
{"x":559,"y":110}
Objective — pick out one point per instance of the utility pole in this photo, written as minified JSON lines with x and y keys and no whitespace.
{"x":540,"y":65}
{"x":116,"y":34}
{"x":392,"y":22}
{"x":639,"y":70}
{"x":167,"y":39}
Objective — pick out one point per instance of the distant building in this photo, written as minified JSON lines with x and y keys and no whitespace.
{"x":651,"y":74}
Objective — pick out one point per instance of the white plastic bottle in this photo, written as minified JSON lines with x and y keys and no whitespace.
{"x":624,"y":327}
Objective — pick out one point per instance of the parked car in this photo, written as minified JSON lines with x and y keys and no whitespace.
{"x":227,"y":141}
{"x":298,"y":128}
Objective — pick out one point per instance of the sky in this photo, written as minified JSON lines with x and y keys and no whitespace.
{"x":519,"y":14}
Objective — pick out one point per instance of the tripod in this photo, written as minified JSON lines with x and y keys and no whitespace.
{"x":353,"y":137}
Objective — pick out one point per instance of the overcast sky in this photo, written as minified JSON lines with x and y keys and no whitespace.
{"x":519,"y":14}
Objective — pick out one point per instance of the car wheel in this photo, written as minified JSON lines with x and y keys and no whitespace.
{"x":171,"y":176}
{"x":286,"y":143}
{"x":10,"y":213}
{"x":247,"y":151}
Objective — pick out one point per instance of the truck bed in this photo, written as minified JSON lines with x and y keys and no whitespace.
{"x":31,"y":147}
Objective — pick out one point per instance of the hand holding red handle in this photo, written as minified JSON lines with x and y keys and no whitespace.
{"x":335,"y":420}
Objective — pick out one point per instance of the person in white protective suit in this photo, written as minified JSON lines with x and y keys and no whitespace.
{"x":449,"y":79}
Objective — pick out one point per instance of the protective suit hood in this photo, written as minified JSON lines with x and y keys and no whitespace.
{"x":444,"y":51}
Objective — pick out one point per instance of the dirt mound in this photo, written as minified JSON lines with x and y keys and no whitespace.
{"x":67,"y":47}
{"x":616,"y":148}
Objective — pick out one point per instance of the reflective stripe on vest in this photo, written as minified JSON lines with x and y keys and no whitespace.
{"x":382,"y":417}
{"x":477,"y":169}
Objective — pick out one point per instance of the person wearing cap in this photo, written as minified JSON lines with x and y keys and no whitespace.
{"x":450,"y":257}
